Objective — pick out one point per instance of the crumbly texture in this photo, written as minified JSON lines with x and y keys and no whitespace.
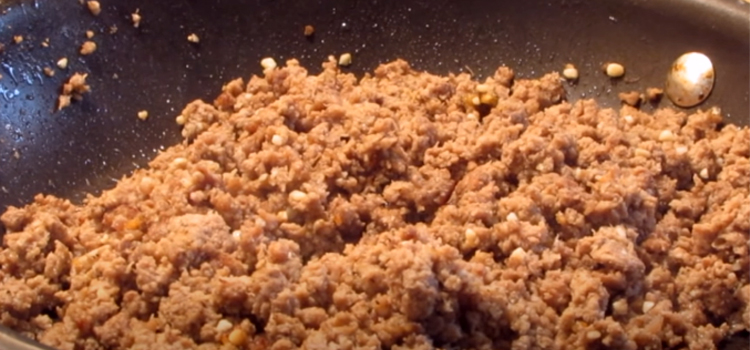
{"x":88,"y":48}
{"x":631,"y":98}
{"x":73,"y":89}
{"x":327,"y":212}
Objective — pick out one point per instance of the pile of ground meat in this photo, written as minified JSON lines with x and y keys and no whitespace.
{"x":401,"y":210}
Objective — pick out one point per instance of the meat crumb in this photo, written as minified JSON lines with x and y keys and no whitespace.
{"x":49,"y":71}
{"x":18,"y":39}
{"x":136,"y":18}
{"x":45,"y":43}
{"x":143,"y":115}
{"x":632,"y":98}
{"x":62,"y":63}
{"x":193,"y":38}
{"x":654,"y":94}
{"x":73,"y":89}
{"x":89,"y":34}
{"x":345,"y":59}
{"x":113,"y":29}
{"x":88,"y":47}
{"x":309,"y":30}
{"x":94,"y":7}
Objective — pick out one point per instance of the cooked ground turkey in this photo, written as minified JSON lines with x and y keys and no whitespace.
{"x":327,"y":212}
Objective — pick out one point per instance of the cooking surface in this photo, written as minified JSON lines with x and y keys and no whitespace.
{"x":89,"y":145}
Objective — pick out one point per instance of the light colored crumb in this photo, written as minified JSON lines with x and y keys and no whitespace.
{"x":45,"y":43}
{"x":89,"y":34}
{"x":193,"y":38}
{"x":18,"y":39}
{"x":345,"y":59}
{"x":143,"y":115}
{"x":49,"y":71}
{"x":113,"y":29}
{"x":94,"y":7}
{"x":570,"y":72}
{"x":62,"y":63}
{"x":88,"y":48}
{"x":268,"y":63}
{"x":614,"y":70}
{"x":136,"y":17}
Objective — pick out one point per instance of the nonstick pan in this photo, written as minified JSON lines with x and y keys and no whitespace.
{"x":85,"y":148}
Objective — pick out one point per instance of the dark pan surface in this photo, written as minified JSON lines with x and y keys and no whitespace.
{"x":88,"y":146}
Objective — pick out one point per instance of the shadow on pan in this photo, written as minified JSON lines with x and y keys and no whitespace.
{"x":85,"y":148}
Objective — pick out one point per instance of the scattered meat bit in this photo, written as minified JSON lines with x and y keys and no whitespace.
{"x":632,"y":98}
{"x":89,"y":34}
{"x":62,"y":63}
{"x":136,"y":17}
{"x":113,"y":29}
{"x":2,"y":47}
{"x":18,"y":39}
{"x":654,"y":94}
{"x":345,"y":59}
{"x":94,"y":7}
{"x":570,"y":72}
{"x":48,"y":71}
{"x":309,"y":30}
{"x":88,"y":48}
{"x":330,"y":212}
{"x":16,"y":154}
{"x":73,"y":89}
{"x":268,"y":63}
{"x":614,"y":70}
{"x":143,"y":115}
{"x":45,"y":43}
{"x":193,"y":38}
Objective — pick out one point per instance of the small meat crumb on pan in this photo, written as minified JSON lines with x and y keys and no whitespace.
{"x":325,"y":211}
{"x":94,"y":7}
{"x":73,"y":89}
{"x":88,"y":48}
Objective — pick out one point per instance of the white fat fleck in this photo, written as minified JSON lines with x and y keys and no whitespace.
{"x":471,"y":239}
{"x":268,"y":63}
{"x":592,"y":335}
{"x":629,"y":119}
{"x":297,"y":195}
{"x":647,"y":305}
{"x":704,"y":173}
{"x":681,"y":150}
{"x":223,"y":326}
{"x":179,"y":162}
{"x":621,"y":231}
{"x":512,"y":217}
{"x":260,"y":222}
{"x":237,"y":234}
{"x":666,"y":135}
{"x":277,"y":140}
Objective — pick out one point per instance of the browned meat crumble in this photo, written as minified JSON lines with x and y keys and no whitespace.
{"x":327,"y":212}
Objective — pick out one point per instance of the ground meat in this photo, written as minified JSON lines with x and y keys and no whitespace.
{"x":326,"y":212}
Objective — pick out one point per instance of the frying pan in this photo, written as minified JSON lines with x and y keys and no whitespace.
{"x":85,"y":148}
